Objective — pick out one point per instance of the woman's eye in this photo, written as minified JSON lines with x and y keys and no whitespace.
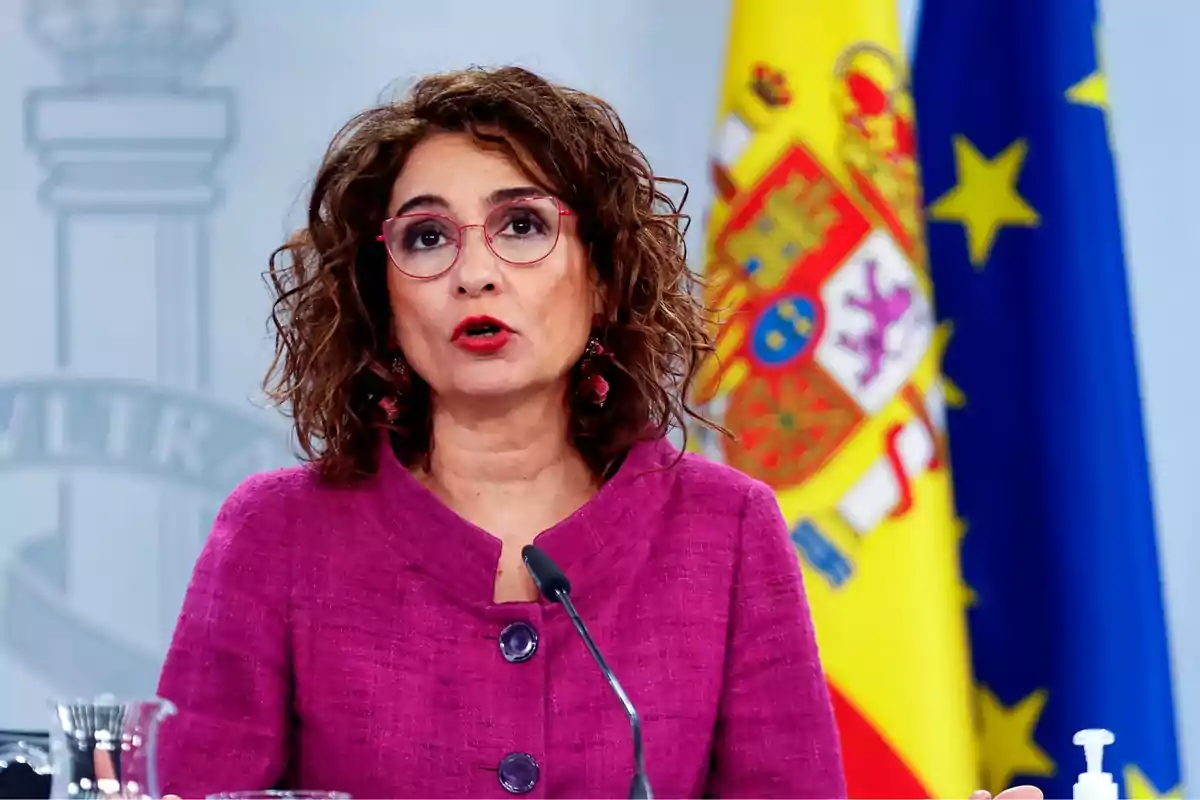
{"x":524,"y":224}
{"x":424,"y":237}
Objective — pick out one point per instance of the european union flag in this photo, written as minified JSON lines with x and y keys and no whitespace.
{"x":1046,"y":440}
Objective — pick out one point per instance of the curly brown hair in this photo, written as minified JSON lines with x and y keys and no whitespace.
{"x":331,"y":312}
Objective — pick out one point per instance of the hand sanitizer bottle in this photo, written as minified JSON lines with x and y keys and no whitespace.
{"x":1094,"y":784}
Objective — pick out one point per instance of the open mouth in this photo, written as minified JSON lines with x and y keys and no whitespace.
{"x":482,"y":329}
{"x":481,"y":334}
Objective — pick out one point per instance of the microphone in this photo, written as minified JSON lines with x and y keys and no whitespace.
{"x":554,"y":586}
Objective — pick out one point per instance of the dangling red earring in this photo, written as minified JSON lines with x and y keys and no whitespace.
{"x":391,"y":410}
{"x":399,"y":368}
{"x":400,"y":380}
{"x":592,"y":385}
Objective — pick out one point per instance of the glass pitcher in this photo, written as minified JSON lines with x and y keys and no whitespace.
{"x":99,"y":749}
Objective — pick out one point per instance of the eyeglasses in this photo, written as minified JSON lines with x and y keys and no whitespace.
{"x":519,"y":232}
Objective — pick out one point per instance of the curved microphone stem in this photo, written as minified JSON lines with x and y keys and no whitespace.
{"x":641,"y":786}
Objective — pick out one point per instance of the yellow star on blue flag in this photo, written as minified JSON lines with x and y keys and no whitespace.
{"x":1092,"y":90}
{"x":1006,"y":739}
{"x":985,"y":198}
{"x":1138,"y":787}
{"x":1048,"y":453}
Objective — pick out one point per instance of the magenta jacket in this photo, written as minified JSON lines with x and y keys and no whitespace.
{"x":346,"y":638}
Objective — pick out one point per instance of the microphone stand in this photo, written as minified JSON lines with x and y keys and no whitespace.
{"x":554,"y":586}
{"x":640,"y":788}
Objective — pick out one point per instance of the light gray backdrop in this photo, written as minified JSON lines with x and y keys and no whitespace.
{"x":153,"y":152}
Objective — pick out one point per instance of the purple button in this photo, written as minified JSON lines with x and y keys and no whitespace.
{"x":518,"y":773}
{"x":518,"y":642}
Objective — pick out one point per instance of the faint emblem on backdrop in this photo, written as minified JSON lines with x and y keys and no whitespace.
{"x":124,"y":421}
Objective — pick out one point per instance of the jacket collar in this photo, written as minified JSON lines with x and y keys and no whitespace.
{"x":465,"y":557}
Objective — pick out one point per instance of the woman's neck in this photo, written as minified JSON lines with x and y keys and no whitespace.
{"x":485,"y":460}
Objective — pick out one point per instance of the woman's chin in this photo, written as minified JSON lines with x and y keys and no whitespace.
{"x":489,"y":387}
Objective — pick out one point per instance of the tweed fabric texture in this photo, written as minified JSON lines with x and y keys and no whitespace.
{"x":346,"y":638}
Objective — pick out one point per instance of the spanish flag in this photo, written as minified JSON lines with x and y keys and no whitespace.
{"x":828,"y":373}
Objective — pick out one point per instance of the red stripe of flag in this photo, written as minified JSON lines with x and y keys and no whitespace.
{"x":873,"y":768}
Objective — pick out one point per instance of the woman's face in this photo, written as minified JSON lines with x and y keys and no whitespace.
{"x":484,"y":327}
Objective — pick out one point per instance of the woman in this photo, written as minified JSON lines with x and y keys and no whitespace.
{"x":483,"y":335}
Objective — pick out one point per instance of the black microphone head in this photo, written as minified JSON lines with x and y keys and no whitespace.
{"x":546,"y":575}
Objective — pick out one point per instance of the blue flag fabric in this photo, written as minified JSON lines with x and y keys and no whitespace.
{"x":1045,"y":429}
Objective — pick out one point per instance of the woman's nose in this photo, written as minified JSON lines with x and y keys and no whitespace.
{"x":477,"y":271}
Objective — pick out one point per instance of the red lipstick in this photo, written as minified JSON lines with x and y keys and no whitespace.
{"x":481,"y":335}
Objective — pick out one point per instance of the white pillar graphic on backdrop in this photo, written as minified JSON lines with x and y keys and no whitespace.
{"x":129,"y":144}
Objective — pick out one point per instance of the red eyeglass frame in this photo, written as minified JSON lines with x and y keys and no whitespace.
{"x":563,"y":211}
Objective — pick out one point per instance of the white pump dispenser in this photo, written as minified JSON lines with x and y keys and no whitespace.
{"x":1094,"y":784}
